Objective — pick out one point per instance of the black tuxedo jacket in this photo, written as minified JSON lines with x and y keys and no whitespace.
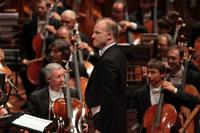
{"x":38,"y":103}
{"x":106,"y":87}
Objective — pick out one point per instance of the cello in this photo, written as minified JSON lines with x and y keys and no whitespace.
{"x":185,"y":112}
{"x":160,"y":118}
{"x":68,"y":111}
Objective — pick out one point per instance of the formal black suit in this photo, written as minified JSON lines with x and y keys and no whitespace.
{"x":38,"y":102}
{"x":193,"y":77}
{"x":106,"y":87}
{"x":142,"y":101}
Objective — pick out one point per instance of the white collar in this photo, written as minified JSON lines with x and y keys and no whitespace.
{"x":179,"y":74}
{"x":105,"y":48}
{"x":53,"y":94}
{"x":155,"y":90}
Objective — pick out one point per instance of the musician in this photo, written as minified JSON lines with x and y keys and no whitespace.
{"x":40,"y":101}
{"x":30,"y":28}
{"x":144,"y":16}
{"x":175,"y":59}
{"x":105,"y":93}
{"x":59,"y":52}
{"x":69,"y":19}
{"x":166,"y":25}
{"x":118,"y":15}
{"x":164,"y":42}
{"x":149,"y":94}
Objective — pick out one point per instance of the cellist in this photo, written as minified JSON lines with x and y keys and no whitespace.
{"x":149,"y":94}
{"x":30,"y":29}
{"x":40,"y":103}
{"x":175,"y":60}
{"x":183,"y":72}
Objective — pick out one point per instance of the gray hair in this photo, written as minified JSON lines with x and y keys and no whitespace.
{"x":71,"y":13}
{"x":48,"y":69}
{"x":169,"y":38}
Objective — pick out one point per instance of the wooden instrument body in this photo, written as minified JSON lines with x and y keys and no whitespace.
{"x":167,"y":119}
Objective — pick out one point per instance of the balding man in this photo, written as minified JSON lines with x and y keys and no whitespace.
{"x":105,"y":92}
{"x":69,"y":19}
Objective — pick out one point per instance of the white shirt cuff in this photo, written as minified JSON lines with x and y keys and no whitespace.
{"x":133,"y":26}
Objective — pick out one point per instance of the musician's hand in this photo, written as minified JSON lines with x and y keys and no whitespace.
{"x":124,"y":25}
{"x":3,"y":111}
{"x":56,"y":16}
{"x":50,"y":28}
{"x":85,"y":128}
{"x":84,"y":45}
{"x":97,"y":131}
{"x":169,"y":86}
{"x":25,"y":61}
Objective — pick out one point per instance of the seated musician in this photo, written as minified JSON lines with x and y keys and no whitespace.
{"x":40,"y":101}
{"x":164,"y":42}
{"x":176,"y":63}
{"x":118,"y":15}
{"x":69,"y":19}
{"x":150,"y":93}
{"x":59,"y":52}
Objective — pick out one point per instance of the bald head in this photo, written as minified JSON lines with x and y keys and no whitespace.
{"x":118,"y":11}
{"x":63,"y":33}
{"x":105,"y":32}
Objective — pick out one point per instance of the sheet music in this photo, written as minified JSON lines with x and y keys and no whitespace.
{"x":32,"y":122}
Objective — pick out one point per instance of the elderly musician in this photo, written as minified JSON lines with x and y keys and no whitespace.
{"x":41,"y":102}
